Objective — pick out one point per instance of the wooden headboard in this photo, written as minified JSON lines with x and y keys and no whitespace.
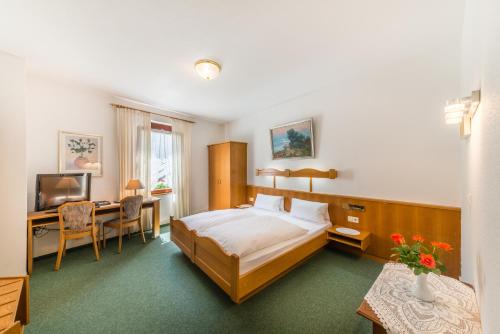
{"x":383,"y":217}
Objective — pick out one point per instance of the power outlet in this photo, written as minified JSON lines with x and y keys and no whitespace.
{"x":352,"y":219}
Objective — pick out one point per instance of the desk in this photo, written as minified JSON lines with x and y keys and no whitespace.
{"x":44,"y":218}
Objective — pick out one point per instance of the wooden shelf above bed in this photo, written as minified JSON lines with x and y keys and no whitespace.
{"x":305,"y":172}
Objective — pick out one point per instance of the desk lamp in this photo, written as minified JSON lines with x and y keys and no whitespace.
{"x":134,"y":184}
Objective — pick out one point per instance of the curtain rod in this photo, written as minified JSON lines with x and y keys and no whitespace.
{"x":150,"y":112}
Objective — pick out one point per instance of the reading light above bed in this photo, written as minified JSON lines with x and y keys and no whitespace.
{"x":306,"y":172}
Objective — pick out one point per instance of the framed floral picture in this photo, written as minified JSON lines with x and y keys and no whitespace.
{"x":293,"y":140}
{"x":79,"y":153}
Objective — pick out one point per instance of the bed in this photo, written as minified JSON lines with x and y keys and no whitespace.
{"x":182,"y":232}
{"x":242,"y":276}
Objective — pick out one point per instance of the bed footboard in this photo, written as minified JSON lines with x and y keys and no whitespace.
{"x":221,"y":267}
{"x":258,"y":278}
{"x":182,"y":237}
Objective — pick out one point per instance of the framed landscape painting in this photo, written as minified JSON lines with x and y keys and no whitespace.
{"x":79,"y":153}
{"x":293,"y":140}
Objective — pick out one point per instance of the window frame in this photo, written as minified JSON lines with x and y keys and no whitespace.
{"x":161,"y":191}
{"x":161,"y":128}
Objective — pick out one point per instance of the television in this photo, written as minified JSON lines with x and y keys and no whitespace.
{"x":53,"y":190}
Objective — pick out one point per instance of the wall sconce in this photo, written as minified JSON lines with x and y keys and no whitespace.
{"x":461,"y":111}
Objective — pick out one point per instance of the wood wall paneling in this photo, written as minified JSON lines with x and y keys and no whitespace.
{"x":384,"y":217}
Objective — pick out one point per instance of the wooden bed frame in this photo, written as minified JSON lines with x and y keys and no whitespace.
{"x":224,"y":269}
{"x":182,"y":237}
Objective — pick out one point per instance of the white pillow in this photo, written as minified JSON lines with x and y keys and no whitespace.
{"x":268,"y":202}
{"x":311,"y":211}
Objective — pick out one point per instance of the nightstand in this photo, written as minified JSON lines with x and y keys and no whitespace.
{"x":361,"y":240}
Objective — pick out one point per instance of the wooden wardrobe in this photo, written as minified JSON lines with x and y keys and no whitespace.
{"x":227,"y":164}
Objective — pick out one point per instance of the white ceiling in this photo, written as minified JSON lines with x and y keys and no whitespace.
{"x":270,"y":51}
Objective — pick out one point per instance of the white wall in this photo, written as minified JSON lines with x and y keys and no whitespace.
{"x":481,"y":209}
{"x":54,"y":105}
{"x":13,"y":166}
{"x":204,"y":133}
{"x":377,"y":106}
{"x":384,"y":132}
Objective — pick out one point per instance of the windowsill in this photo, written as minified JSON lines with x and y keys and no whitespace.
{"x":161,"y":192}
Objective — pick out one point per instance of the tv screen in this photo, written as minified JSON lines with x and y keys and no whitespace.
{"x":52,"y":190}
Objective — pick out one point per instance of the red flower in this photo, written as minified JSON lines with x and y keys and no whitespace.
{"x":442,"y":245}
{"x":398,"y":238}
{"x":418,"y":238}
{"x":427,"y":260}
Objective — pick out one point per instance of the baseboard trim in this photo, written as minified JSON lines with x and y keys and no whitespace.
{"x":40,"y":257}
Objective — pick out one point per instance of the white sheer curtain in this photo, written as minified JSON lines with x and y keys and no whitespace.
{"x":181,"y":167}
{"x":133,"y":128}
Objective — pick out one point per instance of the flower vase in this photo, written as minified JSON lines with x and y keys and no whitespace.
{"x":80,"y":162}
{"x":421,"y":289}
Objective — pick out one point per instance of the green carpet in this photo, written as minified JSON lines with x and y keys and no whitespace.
{"x":154,"y":288}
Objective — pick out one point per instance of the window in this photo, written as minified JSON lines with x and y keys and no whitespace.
{"x":161,"y":158}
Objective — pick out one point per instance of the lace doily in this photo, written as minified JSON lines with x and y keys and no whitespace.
{"x":454,"y":310}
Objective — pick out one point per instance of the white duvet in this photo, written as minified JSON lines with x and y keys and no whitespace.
{"x":251,"y":234}
{"x":202,"y":221}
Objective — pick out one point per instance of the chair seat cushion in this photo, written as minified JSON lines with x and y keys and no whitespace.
{"x":87,"y":229}
{"x":115,"y":223}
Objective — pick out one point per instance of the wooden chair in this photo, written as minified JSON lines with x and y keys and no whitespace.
{"x":130,"y":215}
{"x":76,"y":221}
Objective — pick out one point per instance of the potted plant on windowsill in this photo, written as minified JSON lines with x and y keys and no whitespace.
{"x":422,"y":260}
{"x":161,"y":189}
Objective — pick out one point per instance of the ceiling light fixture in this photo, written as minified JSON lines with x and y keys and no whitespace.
{"x":460,"y":111}
{"x":207,"y":69}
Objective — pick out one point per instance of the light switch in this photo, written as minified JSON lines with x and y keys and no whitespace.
{"x":352,"y":219}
